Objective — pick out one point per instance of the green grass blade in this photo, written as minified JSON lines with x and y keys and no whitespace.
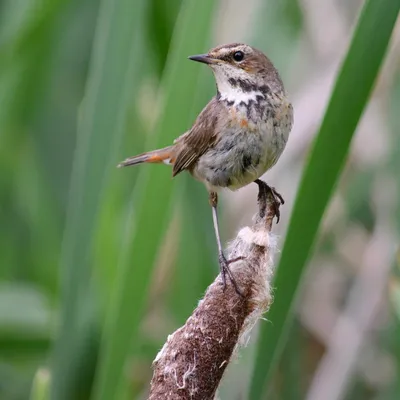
{"x":197,"y":246}
{"x":349,"y":97}
{"x":113,"y":70}
{"x":197,"y":261}
{"x":153,"y":194}
{"x":41,"y":385}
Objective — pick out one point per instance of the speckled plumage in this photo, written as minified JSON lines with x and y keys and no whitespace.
{"x":254,"y":136}
{"x":241,"y":132}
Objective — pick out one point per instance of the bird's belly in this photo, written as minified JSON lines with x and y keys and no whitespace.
{"x":240,"y":157}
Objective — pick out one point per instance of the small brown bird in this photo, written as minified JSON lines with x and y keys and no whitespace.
{"x":238,"y":136}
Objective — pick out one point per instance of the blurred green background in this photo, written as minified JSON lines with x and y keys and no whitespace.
{"x":99,"y":265}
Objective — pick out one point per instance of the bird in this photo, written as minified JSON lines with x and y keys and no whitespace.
{"x":238,"y":136}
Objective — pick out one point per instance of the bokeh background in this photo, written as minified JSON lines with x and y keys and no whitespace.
{"x":99,"y":265}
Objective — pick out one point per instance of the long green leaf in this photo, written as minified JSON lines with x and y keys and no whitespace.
{"x":112,"y":74}
{"x":348,"y":100}
{"x":40,"y":386}
{"x":197,"y":247}
{"x":153,"y":193}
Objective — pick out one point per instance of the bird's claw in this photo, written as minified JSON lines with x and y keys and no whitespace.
{"x":264,"y":189}
{"x":277,"y":202}
{"x":225,"y":270}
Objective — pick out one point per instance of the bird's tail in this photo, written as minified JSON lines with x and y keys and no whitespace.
{"x":164,"y":155}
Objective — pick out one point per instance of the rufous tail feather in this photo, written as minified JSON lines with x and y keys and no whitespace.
{"x":156,"y":156}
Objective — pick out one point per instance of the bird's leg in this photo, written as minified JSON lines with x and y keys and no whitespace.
{"x":263,"y":190}
{"x":223,"y":262}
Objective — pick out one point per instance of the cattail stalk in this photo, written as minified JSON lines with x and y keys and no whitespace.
{"x":194,"y":358}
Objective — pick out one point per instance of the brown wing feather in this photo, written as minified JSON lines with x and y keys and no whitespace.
{"x":203,"y":135}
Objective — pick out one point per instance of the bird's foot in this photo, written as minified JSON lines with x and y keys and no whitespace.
{"x":277,"y":202}
{"x":264,"y":190}
{"x":225,"y":271}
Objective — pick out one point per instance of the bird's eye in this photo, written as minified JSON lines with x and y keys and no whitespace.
{"x":238,"y":56}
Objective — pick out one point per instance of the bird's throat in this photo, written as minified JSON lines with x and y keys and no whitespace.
{"x":238,"y":91}
{"x":235,"y":96}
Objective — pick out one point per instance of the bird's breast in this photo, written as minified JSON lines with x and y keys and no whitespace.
{"x":249,"y":143}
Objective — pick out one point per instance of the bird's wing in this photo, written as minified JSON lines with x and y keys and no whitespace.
{"x":202,"y":136}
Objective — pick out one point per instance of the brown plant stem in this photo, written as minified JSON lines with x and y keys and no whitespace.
{"x":194,"y":358}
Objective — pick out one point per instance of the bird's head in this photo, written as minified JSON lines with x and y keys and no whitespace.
{"x":239,"y":67}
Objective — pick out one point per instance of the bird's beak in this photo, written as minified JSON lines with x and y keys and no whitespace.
{"x":203,"y":58}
